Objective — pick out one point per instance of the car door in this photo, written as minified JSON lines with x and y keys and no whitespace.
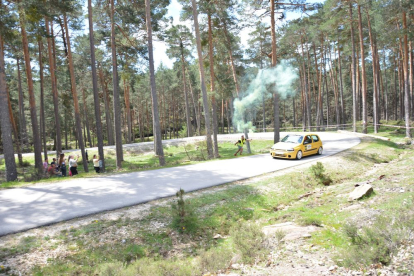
{"x":317,"y":143}
{"x":308,"y":145}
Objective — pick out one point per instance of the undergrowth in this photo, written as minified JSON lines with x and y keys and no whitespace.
{"x":208,"y":232}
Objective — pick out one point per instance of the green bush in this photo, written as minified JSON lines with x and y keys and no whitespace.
{"x":318,"y":172}
{"x":26,"y":164}
{"x":133,"y":252}
{"x":110,"y":269}
{"x":215,"y":259}
{"x":375,"y":243}
{"x":249,"y":240}
{"x":184,"y":218}
{"x":310,"y":221}
{"x":148,"y":267}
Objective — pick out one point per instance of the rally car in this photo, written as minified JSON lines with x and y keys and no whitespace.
{"x":295,"y":146}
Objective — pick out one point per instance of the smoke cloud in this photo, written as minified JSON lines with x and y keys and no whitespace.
{"x":279,"y":78}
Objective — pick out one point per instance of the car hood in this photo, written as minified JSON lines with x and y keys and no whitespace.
{"x":284,"y":146}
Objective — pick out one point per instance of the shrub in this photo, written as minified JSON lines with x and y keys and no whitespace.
{"x":133,"y":252}
{"x":26,"y":164}
{"x":148,"y":267}
{"x":318,"y":172}
{"x":310,"y":221}
{"x":34,"y":176}
{"x":408,"y":141}
{"x":215,"y":259}
{"x":375,"y":243}
{"x":249,"y":240}
{"x":110,"y":269}
{"x":184,"y":218}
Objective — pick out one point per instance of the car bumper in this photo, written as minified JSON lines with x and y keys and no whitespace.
{"x":283,"y":154}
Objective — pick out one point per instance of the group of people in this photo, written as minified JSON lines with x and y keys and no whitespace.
{"x":60,"y":169}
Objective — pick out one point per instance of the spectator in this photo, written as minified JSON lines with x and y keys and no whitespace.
{"x":52,"y":170}
{"x":73,"y":165}
{"x":45,"y":165}
{"x":96,"y":161}
{"x":62,"y":164}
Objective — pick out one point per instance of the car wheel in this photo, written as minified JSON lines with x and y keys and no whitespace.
{"x":299,"y":155}
{"x":320,"y":150}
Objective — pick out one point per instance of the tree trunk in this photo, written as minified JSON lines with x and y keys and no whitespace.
{"x":410,"y":50}
{"x":52,"y":69}
{"x":42,"y":100}
{"x":108,"y":119}
{"x":22,"y":117}
{"x":309,"y":98}
{"x":195,"y":105}
{"x":212,"y":87}
{"x":15,"y":131}
{"x":75,"y":97}
{"x":159,"y":151}
{"x":353,"y":72}
{"x":374,"y":77}
{"x":117,"y":107}
{"x":319,"y":109}
{"x":363,"y":75}
{"x":187,"y":106}
{"x":128,"y":112}
{"x":86,"y":118}
{"x":385,"y":90}
{"x":406,"y":78}
{"x":202,"y":82}
{"x":306,"y":88}
{"x":341,"y":88}
{"x":5,"y":122}
{"x":98,"y":122}
{"x":32,"y":101}
{"x":276,"y":136}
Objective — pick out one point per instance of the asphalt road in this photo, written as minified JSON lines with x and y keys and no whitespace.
{"x":34,"y":206}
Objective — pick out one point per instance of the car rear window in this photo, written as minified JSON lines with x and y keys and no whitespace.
{"x":315,"y":138}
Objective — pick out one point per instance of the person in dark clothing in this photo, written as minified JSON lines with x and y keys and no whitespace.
{"x":62,"y":164}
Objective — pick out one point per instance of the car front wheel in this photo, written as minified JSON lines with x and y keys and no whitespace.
{"x":299,"y":155}
{"x":320,"y":150}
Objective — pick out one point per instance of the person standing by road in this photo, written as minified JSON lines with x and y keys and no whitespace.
{"x":62,"y":164}
{"x":73,"y":165}
{"x":240,"y":144}
{"x":96,"y":166}
{"x":45,"y":165}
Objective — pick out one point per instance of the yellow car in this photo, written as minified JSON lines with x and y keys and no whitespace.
{"x":295,"y":146}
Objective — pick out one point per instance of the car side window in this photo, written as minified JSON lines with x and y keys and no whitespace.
{"x":315,"y":138}
{"x":308,"y":140}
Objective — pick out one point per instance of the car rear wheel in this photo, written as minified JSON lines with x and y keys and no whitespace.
{"x":320,"y":150}
{"x":299,"y":155}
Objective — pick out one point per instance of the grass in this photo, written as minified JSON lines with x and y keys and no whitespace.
{"x":151,"y":245}
{"x":137,"y":161}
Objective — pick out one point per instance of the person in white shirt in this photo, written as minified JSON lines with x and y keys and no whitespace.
{"x":73,"y":165}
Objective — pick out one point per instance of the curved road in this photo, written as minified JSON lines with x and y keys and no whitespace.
{"x":30,"y":207}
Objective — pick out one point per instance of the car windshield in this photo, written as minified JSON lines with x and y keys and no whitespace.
{"x":296,"y":139}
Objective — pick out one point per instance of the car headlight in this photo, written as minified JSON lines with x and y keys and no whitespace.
{"x":290,"y":150}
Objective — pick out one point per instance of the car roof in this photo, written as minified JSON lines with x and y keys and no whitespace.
{"x":302,"y":133}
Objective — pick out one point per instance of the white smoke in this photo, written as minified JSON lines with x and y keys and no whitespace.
{"x":279,"y":79}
